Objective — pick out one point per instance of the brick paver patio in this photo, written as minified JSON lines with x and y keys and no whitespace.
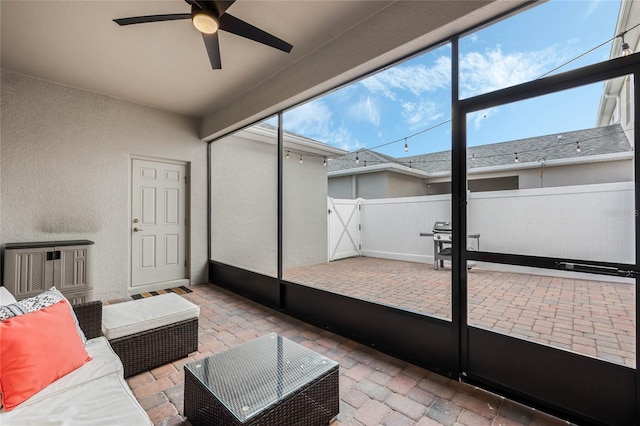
{"x":375,"y":389}
{"x":594,"y":318}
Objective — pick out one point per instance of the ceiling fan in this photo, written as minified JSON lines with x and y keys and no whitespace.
{"x":209,"y":16}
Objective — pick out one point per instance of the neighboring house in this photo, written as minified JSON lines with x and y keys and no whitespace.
{"x":616,"y":104}
{"x":604,"y":156}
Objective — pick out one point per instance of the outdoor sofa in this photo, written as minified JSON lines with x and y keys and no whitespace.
{"x":95,"y":393}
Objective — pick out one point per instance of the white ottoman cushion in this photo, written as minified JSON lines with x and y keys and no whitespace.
{"x":124,"y":319}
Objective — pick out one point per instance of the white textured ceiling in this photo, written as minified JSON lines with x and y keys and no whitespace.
{"x":165,"y":65}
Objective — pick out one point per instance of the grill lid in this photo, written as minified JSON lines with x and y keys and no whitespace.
{"x":442,"y":226}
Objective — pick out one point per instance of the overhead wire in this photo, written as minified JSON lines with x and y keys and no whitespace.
{"x":442,"y":123}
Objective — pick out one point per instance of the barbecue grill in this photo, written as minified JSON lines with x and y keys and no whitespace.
{"x":442,"y":240}
{"x":441,"y":243}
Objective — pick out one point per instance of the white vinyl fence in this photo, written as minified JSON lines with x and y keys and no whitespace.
{"x":344,"y":227}
{"x":589,"y":222}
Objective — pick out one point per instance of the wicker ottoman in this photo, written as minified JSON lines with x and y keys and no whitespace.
{"x":147,"y":333}
{"x":268,"y":381}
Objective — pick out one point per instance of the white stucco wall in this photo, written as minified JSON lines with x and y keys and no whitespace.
{"x":341,"y":187}
{"x":391,"y":185}
{"x":305,"y":213}
{"x":578,"y":174}
{"x":244,"y":205}
{"x":372,"y":185}
{"x":244,"y":215}
{"x":65,"y":166}
{"x":405,"y":186}
{"x":380,"y":184}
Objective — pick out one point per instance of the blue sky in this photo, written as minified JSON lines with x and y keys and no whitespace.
{"x":409,"y":98}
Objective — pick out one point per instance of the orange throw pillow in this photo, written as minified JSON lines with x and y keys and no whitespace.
{"x":37,"y":349}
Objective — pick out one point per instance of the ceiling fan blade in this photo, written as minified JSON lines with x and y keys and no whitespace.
{"x":213,"y":50}
{"x":239,"y":27}
{"x":151,"y":18}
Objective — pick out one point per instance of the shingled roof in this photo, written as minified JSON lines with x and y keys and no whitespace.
{"x":595,"y":141}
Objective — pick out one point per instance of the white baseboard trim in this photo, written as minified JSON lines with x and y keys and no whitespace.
{"x":158,"y":286}
{"x":398,"y":256}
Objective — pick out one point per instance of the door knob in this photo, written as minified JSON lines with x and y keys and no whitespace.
{"x":135,"y":220}
{"x":137,"y":229}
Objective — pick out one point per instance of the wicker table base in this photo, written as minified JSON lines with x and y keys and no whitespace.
{"x":268,"y":381}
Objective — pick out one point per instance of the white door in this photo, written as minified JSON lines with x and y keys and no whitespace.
{"x":158,"y":227}
{"x":344,"y":228}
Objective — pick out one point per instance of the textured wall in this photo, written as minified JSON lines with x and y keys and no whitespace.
{"x":65,"y":163}
{"x":305,"y":212}
{"x":244,"y":206}
{"x":341,"y":187}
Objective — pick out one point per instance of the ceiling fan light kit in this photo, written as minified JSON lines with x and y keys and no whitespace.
{"x":204,"y":21}
{"x":209,"y":16}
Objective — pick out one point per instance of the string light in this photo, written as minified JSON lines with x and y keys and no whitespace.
{"x":365,"y":163}
{"x":536,"y":151}
{"x":626,"y":50}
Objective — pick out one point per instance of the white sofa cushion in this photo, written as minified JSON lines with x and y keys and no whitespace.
{"x":104,"y":401}
{"x":6,"y":298}
{"x":104,"y":361}
{"x":94,"y":394}
{"x":124,"y":319}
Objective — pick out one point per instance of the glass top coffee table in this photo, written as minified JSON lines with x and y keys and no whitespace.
{"x":270,"y":380}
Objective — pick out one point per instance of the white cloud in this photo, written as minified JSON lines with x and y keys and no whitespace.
{"x":418,"y":114}
{"x":343,"y":139}
{"x":481,"y":73}
{"x":592,"y":8}
{"x":365,"y":110}
{"x":416,"y":79}
{"x":315,"y":120}
{"x":311,"y":119}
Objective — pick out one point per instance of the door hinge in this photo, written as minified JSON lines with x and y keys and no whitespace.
{"x":359,"y":227}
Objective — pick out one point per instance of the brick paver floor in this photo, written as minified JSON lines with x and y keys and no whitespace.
{"x":594,"y":318}
{"x":375,"y":389}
